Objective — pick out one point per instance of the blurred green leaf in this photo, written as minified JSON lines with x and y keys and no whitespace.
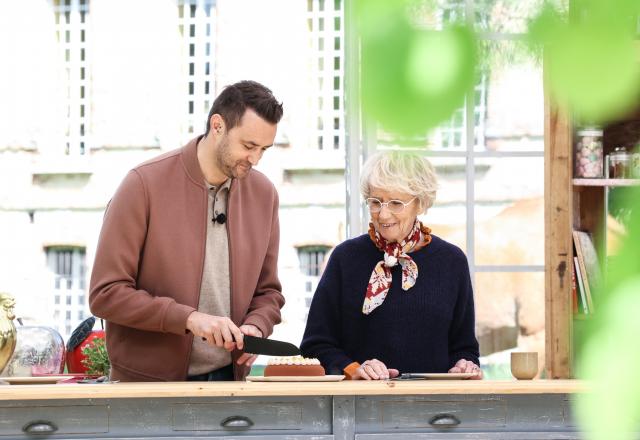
{"x":412,"y":79}
{"x":610,"y":361}
{"x":610,"y":354}
{"x":592,"y":58}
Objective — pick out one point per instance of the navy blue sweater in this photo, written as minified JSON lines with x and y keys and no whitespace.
{"x":427,"y":328}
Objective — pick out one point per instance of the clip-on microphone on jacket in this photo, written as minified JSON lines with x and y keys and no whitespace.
{"x":220,"y":218}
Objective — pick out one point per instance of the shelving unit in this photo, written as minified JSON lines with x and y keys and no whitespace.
{"x":572,"y":204}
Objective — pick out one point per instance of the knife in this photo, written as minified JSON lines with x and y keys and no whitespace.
{"x":270,"y":347}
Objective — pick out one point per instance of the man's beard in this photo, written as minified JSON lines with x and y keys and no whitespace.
{"x":229,"y":167}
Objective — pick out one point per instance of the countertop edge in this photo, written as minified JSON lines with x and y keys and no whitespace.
{"x":273,"y":389}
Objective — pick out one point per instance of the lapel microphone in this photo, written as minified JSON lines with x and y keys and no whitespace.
{"x":220,"y":218}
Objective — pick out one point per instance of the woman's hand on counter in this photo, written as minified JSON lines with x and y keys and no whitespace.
{"x":247,"y":358}
{"x":465,"y":366}
{"x":374,"y":369}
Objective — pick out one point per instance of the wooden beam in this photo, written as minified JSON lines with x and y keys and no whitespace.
{"x":558,"y":241}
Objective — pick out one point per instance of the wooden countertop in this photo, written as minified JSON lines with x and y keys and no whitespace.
{"x":232,"y":389}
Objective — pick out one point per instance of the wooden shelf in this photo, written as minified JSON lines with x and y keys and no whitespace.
{"x":606,"y":182}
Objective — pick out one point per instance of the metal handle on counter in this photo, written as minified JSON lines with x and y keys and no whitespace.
{"x":237,"y":422}
{"x":40,"y":427}
{"x":444,"y":421}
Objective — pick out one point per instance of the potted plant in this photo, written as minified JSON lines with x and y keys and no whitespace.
{"x":96,"y":359}
{"x":86,"y":350}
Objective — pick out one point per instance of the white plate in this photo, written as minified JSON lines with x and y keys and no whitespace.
{"x":27,"y":380}
{"x":440,"y":376}
{"x":328,"y":378}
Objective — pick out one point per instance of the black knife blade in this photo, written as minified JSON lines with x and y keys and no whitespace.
{"x":270,"y":347}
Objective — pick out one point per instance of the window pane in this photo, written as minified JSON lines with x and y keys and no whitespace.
{"x":447,"y":218}
{"x":450,"y":136}
{"x":509,"y":211}
{"x":509,"y":314}
{"x":508,"y":16}
{"x":509,"y":100}
{"x":433,"y":14}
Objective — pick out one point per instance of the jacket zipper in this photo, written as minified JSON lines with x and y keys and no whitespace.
{"x":204,"y":250}
{"x":231,"y":186}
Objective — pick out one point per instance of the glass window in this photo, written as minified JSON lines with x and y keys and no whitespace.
{"x":511,"y":116}
{"x":67,"y":270}
{"x":503,"y":16}
{"x":509,"y":210}
{"x":509,"y":310}
{"x":489,"y":158}
{"x":311,"y":259}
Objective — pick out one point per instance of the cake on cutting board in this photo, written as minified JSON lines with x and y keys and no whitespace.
{"x":293,"y":366}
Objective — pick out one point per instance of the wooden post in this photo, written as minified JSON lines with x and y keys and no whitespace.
{"x":558,"y":241}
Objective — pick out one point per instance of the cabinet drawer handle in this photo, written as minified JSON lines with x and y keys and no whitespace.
{"x":444,"y":421}
{"x":236,"y":422}
{"x":40,"y":427}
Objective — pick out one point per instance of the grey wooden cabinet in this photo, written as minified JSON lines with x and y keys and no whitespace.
{"x":534,"y":416}
{"x":362,"y":417}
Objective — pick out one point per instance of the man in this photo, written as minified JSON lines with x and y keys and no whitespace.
{"x":186,"y":263}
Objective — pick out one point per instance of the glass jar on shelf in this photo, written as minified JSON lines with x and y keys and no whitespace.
{"x":589,"y":153}
{"x":619,"y":163}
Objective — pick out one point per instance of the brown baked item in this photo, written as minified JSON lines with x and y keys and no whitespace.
{"x":293,"y":366}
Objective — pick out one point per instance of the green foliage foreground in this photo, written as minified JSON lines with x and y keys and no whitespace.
{"x":414,"y":77}
{"x":610,"y":355}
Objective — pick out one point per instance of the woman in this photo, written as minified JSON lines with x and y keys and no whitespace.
{"x":397,"y":299}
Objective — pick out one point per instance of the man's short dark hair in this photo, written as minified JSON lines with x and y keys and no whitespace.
{"x":236,"y":98}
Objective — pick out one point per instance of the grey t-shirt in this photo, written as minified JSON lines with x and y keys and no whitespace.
{"x":215,"y":289}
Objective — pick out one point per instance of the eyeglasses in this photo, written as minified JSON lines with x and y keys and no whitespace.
{"x":394,"y":206}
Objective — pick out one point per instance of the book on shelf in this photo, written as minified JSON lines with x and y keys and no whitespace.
{"x":588,"y":264}
{"x":583,"y":295}
{"x":574,"y":293}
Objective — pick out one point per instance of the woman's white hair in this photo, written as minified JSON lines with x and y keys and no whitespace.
{"x":399,"y":171}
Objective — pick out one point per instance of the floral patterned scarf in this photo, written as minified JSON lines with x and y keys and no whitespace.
{"x":394,"y":253}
